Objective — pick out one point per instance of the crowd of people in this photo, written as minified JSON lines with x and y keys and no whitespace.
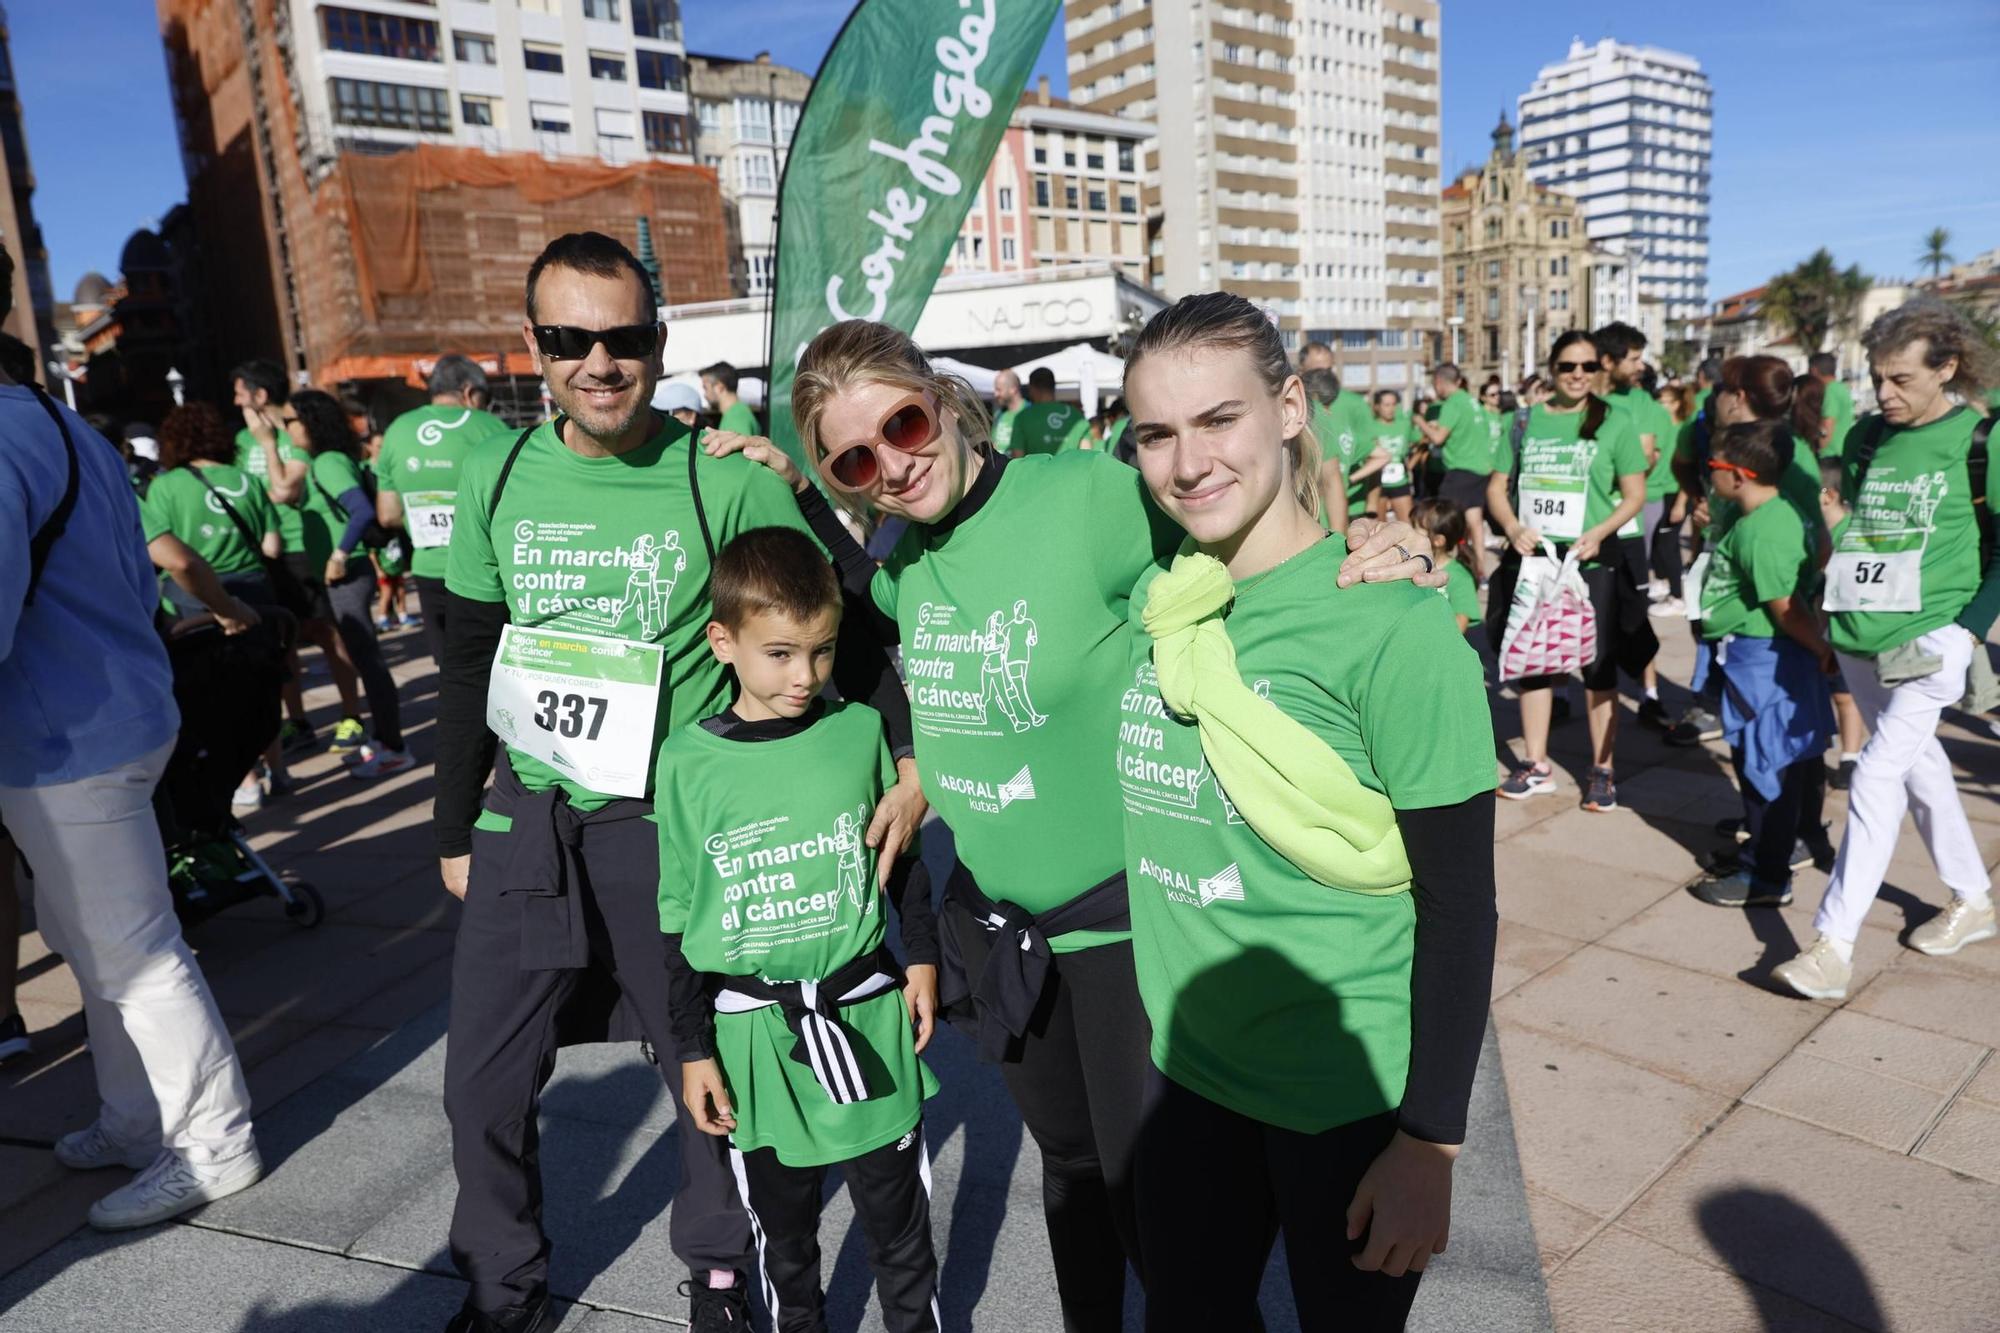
{"x":1222,"y":910}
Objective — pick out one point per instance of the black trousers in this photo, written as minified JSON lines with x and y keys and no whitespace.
{"x":891,"y":1190}
{"x":354,"y":617}
{"x":1775,"y":825}
{"x":1078,"y":1085}
{"x":1666,"y":548}
{"x":431,"y":599}
{"x":501,"y":1049}
{"x":1215,"y":1187}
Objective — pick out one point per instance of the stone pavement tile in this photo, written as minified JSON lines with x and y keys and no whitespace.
{"x":1741,"y":945}
{"x":1967,"y":1140}
{"x":1977,"y":960}
{"x":284,"y":1070}
{"x":319,"y":975}
{"x":44,"y":1219}
{"x":1881,"y":1240}
{"x":1871,"y":1107}
{"x":1691,"y":1027}
{"x":1941,"y":1001}
{"x":403,"y":999}
{"x":55,"y":1094}
{"x":1510,"y":817}
{"x":415,"y":902}
{"x":1670,"y":791}
{"x":1564,"y":896}
{"x":26,"y":1171}
{"x":1624,"y":1283}
{"x":1522,"y":951}
{"x":54,"y":985}
{"x":1560,"y":1228}
{"x":1619,"y":840}
{"x":1593,"y":1129}
{"x":1876,"y":1046}
{"x":1985,"y":1085}
{"x":608,"y":1084}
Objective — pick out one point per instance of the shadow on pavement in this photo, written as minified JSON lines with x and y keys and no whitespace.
{"x":1769,"y":1238}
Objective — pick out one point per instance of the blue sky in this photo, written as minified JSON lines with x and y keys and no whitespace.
{"x":1845,"y":123}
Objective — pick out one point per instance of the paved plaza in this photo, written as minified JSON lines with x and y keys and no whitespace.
{"x":1660,"y":1141}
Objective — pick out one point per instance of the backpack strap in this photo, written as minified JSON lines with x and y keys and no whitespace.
{"x":46,"y":536}
{"x":694,"y":485}
{"x":500,"y":482}
{"x":694,"y":491}
{"x":242,"y":525}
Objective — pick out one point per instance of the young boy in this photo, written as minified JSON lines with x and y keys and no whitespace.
{"x":1760,"y":631}
{"x":794,"y":1023}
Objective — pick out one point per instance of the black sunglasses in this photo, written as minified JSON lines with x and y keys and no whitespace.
{"x":1573,"y":367}
{"x":566,"y":342}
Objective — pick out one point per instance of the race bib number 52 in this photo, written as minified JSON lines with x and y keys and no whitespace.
{"x":583,"y":704}
{"x":1875,"y":581}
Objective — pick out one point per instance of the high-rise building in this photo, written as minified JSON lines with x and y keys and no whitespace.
{"x":32,"y":318}
{"x":1296,"y":159}
{"x":1628,"y":130}
{"x":745,"y":113}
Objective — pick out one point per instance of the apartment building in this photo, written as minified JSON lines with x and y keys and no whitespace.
{"x":1066,"y":186}
{"x":1629,"y":130}
{"x":32,"y":319}
{"x":746,"y":112}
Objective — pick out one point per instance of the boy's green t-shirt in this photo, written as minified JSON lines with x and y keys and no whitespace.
{"x":1047,"y":428}
{"x":177,"y":502}
{"x":764,"y":872}
{"x":250,"y":458}
{"x":1469,"y":447}
{"x":1564,"y":485}
{"x":1015,"y":640}
{"x":1906,"y":561}
{"x":1760,"y":559}
{"x":738,"y":418}
{"x":1461,"y":590}
{"x":1279,"y":997}
{"x":421,"y":453}
{"x":329,"y":476}
{"x":1837,"y":402}
{"x":611,"y":547}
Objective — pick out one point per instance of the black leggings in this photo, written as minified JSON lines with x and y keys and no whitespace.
{"x":1215,"y":1187}
{"x":1078,"y":1084}
{"x":431,"y":599}
{"x":353,"y":601}
{"x":1666,"y":547}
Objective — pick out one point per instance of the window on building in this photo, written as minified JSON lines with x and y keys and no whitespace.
{"x":760,"y":274}
{"x":472,"y":49}
{"x":1069,"y":159}
{"x":1094,"y":161}
{"x":1458,"y":273}
{"x":668,"y":133}
{"x":547,"y":59}
{"x":1492,"y":343}
{"x":1097,"y":201}
{"x":1354,"y":339}
{"x":476,"y":110}
{"x":1492,"y":303}
{"x":788,"y":120}
{"x":753,"y":119}
{"x":1125,"y":157}
{"x":1069,"y":196}
{"x":979,"y":250}
{"x":379,"y":34}
{"x":604,"y":11}
{"x":1493,"y":270}
{"x":1041,"y":157}
{"x":659,"y":20}
{"x":1458,"y":304}
{"x":390,"y":106}
{"x":1041,"y":194}
{"x":549,"y":117}
{"x":759,"y":176}
{"x":1008,"y":252}
{"x":609,"y":68}
{"x":709,"y":114}
{"x":1128,"y":203}
{"x":1006,"y":198}
{"x":663,"y":69}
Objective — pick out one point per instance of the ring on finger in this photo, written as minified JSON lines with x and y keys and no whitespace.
{"x":1407,"y":557}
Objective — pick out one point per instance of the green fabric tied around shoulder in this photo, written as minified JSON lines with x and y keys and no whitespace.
{"x":1287,"y":784}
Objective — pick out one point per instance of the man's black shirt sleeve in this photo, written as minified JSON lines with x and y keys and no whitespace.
{"x":464,"y":744}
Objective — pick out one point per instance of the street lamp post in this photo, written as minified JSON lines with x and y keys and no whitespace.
{"x":68,"y":378}
{"x":176,"y":385}
{"x":1457,"y":323}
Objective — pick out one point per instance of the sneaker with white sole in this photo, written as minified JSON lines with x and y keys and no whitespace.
{"x":93,"y":1148}
{"x":1819,"y":973}
{"x":1667,"y":607}
{"x":247,"y":799}
{"x":1957,"y":926}
{"x":380,"y":763}
{"x":172,"y":1185}
{"x":1528,"y":780}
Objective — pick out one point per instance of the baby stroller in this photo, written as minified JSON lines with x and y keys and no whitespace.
{"x":228,"y":688}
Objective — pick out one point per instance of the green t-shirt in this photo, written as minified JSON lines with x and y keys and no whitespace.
{"x":1557,"y":472}
{"x":328,"y":477}
{"x":1343,"y":429}
{"x":1461,"y":590}
{"x":1469,"y":447}
{"x":1046,"y":428}
{"x":738,"y":418}
{"x":1003,"y":430}
{"x":1014,"y":644}
{"x":1116,"y":434}
{"x":421,"y":453}
{"x":1395,"y":435}
{"x":1650,"y":418}
{"x":177,"y":502}
{"x":250,"y":458}
{"x":1279,"y":997}
{"x":1838,"y":403}
{"x":1760,"y":559}
{"x":764,"y":872}
{"x":1911,"y":536}
{"x":609,"y":546}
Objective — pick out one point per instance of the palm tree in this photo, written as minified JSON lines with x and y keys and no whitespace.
{"x":1935,"y":257}
{"x":1814,"y":299}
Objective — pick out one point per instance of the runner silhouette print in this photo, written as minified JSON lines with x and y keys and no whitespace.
{"x":646,"y":590}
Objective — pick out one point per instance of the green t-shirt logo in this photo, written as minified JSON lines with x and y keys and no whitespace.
{"x":759,"y":865}
{"x":1191,"y":890}
{"x":947,"y":663}
{"x":550,"y":581}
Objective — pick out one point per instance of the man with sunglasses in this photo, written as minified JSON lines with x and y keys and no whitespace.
{"x":596,"y":532}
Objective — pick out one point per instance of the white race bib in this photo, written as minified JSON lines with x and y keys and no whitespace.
{"x":1693,"y":585}
{"x":1875,"y":581}
{"x":428,"y":516}
{"x":1553,"y":506}
{"x":583,"y":704}
{"x":1395,"y":474}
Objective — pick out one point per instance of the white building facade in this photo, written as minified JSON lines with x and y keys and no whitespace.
{"x":1629,"y":131}
{"x":568,"y":78}
{"x":746,"y":112}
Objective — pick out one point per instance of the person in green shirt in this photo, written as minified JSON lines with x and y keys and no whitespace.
{"x":1046,"y":425}
{"x":718,"y":383}
{"x":1007,"y":405}
{"x":770,"y":901}
{"x":1911,"y":602}
{"x":1348,"y":461}
{"x":1016,"y":669}
{"x":417,"y":478}
{"x":1836,"y":405}
{"x":1444,"y":523}
{"x":1392,"y":434}
{"x":1578,"y":481}
{"x":1462,"y":443}
{"x":578,"y":577}
{"x":1756,"y":612}
{"x":1623,"y":348}
{"x":1287,"y":811}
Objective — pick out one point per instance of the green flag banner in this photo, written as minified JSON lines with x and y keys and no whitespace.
{"x":891,"y":149}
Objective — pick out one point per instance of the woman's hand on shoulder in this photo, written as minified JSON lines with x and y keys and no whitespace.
{"x":1403,"y":1206}
{"x":1385,"y":551}
{"x":756,"y":448}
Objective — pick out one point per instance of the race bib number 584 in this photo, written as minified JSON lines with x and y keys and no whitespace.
{"x":583,"y":704}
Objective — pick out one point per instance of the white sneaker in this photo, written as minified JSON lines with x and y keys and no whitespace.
{"x":1667,"y":607}
{"x":1954,"y":928}
{"x":172,"y":1185}
{"x":93,"y":1148}
{"x":247,"y":799}
{"x":1819,"y":973}
{"x":382,"y":763}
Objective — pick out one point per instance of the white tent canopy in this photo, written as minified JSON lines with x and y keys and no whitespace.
{"x":979,"y":377}
{"x":1081,"y":368}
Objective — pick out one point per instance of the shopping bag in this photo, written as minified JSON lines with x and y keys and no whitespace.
{"x":1551,"y":626}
